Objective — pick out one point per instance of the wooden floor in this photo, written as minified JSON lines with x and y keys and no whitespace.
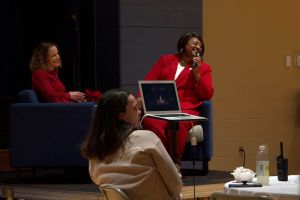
{"x":202,"y":192}
{"x":59,"y":191}
{"x":54,"y":192}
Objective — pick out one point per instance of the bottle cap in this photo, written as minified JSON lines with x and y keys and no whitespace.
{"x":262,"y":147}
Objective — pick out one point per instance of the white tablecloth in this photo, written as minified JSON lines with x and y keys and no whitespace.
{"x":278,"y":190}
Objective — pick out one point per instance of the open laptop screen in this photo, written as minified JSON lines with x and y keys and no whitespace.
{"x":159,"y":96}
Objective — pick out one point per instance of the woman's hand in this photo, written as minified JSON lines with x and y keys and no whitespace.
{"x":77,"y":96}
{"x":198,"y":61}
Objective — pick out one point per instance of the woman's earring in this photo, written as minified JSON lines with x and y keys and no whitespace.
{"x":181,"y":51}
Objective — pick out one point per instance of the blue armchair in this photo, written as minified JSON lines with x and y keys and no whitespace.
{"x":47,"y":134}
{"x":202,"y":153}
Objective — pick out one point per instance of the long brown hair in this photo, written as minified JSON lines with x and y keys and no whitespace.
{"x":108,"y":133}
{"x":40,"y":55}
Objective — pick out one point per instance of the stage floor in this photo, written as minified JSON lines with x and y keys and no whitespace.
{"x":61,"y":184}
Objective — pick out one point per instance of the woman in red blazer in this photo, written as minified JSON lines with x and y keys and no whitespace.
{"x":194,"y":85}
{"x":45,"y":63}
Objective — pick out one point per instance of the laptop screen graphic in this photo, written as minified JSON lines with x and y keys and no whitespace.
{"x":160,"y":97}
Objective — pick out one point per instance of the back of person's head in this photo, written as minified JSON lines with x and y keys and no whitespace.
{"x":108,"y":132}
{"x":39,"y":56}
{"x":183,"y":40}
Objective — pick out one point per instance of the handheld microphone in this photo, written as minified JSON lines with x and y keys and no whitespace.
{"x":194,"y":64}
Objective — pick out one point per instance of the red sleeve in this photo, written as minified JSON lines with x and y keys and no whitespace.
{"x":205,"y":87}
{"x":49,"y":87}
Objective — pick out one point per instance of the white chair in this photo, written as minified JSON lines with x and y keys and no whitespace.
{"x":225,"y":196}
{"x":112,"y":192}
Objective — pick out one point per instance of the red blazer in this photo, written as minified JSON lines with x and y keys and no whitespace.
{"x":191,"y":94}
{"x":49,"y":87}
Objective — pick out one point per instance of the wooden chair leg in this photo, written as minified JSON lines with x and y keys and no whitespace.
{"x":18,"y":174}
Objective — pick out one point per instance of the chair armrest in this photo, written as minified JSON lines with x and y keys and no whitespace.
{"x":48,"y":134}
{"x":206,"y":111}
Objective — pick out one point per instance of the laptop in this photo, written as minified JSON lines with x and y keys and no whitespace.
{"x":160,"y":100}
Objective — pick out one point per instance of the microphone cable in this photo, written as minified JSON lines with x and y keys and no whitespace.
{"x":145,"y":115}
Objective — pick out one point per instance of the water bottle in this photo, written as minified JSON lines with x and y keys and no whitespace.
{"x":262,"y":165}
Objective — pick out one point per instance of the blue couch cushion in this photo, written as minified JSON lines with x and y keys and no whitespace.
{"x":28,"y":96}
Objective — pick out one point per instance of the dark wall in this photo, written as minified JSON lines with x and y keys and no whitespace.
{"x":149,"y":29}
{"x":6,"y":50}
{"x":107,"y":44}
{"x":30,"y":22}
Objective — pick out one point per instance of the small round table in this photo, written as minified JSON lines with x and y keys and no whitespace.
{"x":278,"y":190}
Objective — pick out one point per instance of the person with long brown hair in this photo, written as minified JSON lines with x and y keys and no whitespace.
{"x":120,"y":153}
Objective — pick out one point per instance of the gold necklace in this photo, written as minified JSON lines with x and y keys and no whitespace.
{"x":183,"y":63}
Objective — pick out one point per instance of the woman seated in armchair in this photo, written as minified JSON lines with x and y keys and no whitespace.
{"x":44,"y":65}
{"x":194,"y":84}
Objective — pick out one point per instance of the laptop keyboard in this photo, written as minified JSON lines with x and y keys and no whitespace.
{"x":172,"y":115}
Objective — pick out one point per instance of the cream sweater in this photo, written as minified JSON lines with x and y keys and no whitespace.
{"x":143,"y":169}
